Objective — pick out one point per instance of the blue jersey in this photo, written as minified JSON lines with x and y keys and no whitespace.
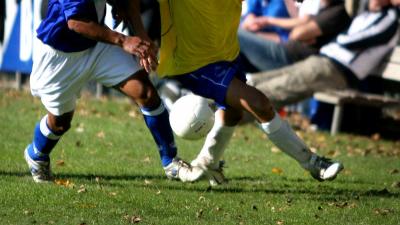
{"x":54,"y":30}
{"x":271,"y":8}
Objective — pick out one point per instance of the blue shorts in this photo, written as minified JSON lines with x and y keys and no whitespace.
{"x":212,"y":81}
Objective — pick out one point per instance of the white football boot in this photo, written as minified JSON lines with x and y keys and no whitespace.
{"x":40,"y":170}
{"x":213,"y":173}
{"x":179,"y":169}
{"x":323,"y":169}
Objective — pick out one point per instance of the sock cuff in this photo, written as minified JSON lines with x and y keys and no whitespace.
{"x":219,"y":126}
{"x":273,"y":125}
{"x":45,"y":130}
{"x":153,"y":112}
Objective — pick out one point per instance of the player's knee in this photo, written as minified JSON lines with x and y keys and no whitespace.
{"x":62,"y":128}
{"x":262,"y":106}
{"x":233,"y":118}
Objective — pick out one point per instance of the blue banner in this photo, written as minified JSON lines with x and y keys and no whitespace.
{"x":19,"y":21}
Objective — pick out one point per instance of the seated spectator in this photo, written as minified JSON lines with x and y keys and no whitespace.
{"x":305,"y":39}
{"x":268,"y":9}
{"x":341,"y":63}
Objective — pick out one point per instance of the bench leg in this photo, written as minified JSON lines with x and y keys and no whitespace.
{"x":337,"y":119}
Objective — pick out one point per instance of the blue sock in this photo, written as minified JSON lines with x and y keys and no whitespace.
{"x":157,"y":121}
{"x":44,"y":141}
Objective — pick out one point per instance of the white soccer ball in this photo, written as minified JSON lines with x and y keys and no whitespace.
{"x":191,"y":117}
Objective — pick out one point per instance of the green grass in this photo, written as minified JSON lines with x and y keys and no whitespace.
{"x":112,"y":175}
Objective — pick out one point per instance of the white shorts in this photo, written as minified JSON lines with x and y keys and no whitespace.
{"x":58,"y":77}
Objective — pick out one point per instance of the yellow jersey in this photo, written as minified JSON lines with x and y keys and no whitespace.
{"x":195,"y":33}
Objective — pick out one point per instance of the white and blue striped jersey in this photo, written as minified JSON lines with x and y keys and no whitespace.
{"x":370,"y":37}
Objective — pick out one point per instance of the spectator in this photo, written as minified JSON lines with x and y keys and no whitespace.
{"x":341,"y":63}
{"x":268,"y":9}
{"x":305,"y":39}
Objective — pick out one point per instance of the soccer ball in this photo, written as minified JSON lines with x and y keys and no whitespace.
{"x":191,"y":117}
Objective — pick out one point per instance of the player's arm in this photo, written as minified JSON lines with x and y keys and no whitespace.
{"x":95,"y":31}
{"x":129,"y":12}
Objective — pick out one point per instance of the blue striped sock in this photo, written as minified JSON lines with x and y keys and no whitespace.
{"x":157,"y":121}
{"x":43,"y":142}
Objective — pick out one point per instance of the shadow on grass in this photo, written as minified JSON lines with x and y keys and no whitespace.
{"x":282,"y":186}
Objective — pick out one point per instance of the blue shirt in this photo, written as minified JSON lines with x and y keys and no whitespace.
{"x":270,"y":8}
{"x":54,"y":31}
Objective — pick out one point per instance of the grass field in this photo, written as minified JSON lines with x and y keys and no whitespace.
{"x":108,"y":172}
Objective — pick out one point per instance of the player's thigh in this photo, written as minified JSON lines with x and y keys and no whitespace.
{"x":139,"y":88}
{"x":57,"y":78}
{"x":113,"y":65}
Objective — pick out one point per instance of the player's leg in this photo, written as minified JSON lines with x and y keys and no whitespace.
{"x":116,"y":68}
{"x":57,"y":79}
{"x":46,"y":135}
{"x":219,"y":136}
{"x":215,"y":144}
{"x":242,"y":96}
{"x":139,"y":88}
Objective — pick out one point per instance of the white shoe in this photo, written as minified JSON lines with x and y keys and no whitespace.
{"x":213,"y":173}
{"x":40,"y":170}
{"x":322,"y":168}
{"x":179,"y":169}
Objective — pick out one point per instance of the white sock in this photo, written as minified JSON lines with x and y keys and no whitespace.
{"x":283,"y":136}
{"x":214,"y":145}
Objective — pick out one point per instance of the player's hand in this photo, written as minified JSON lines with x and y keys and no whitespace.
{"x":136,"y":46}
{"x":150,"y":62}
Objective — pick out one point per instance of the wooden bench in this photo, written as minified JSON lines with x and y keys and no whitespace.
{"x":390,"y":70}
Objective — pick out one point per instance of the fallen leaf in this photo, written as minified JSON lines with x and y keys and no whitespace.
{"x":82,"y":189}
{"x":80,"y":128}
{"x":280,"y":222}
{"x":383,"y":212}
{"x":147,"y":159}
{"x":376,"y":137}
{"x":277,"y":170}
{"x":64,"y":182}
{"x":147,"y":182}
{"x":396,"y":184}
{"x":60,"y":162}
{"x":333,"y":153}
{"x":133,"y":114}
{"x":27,"y":212}
{"x":314,"y":150}
{"x":101,"y":134}
{"x":132,"y":219}
{"x":199,"y":214}
{"x":275,"y":150}
{"x":113,"y":193}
